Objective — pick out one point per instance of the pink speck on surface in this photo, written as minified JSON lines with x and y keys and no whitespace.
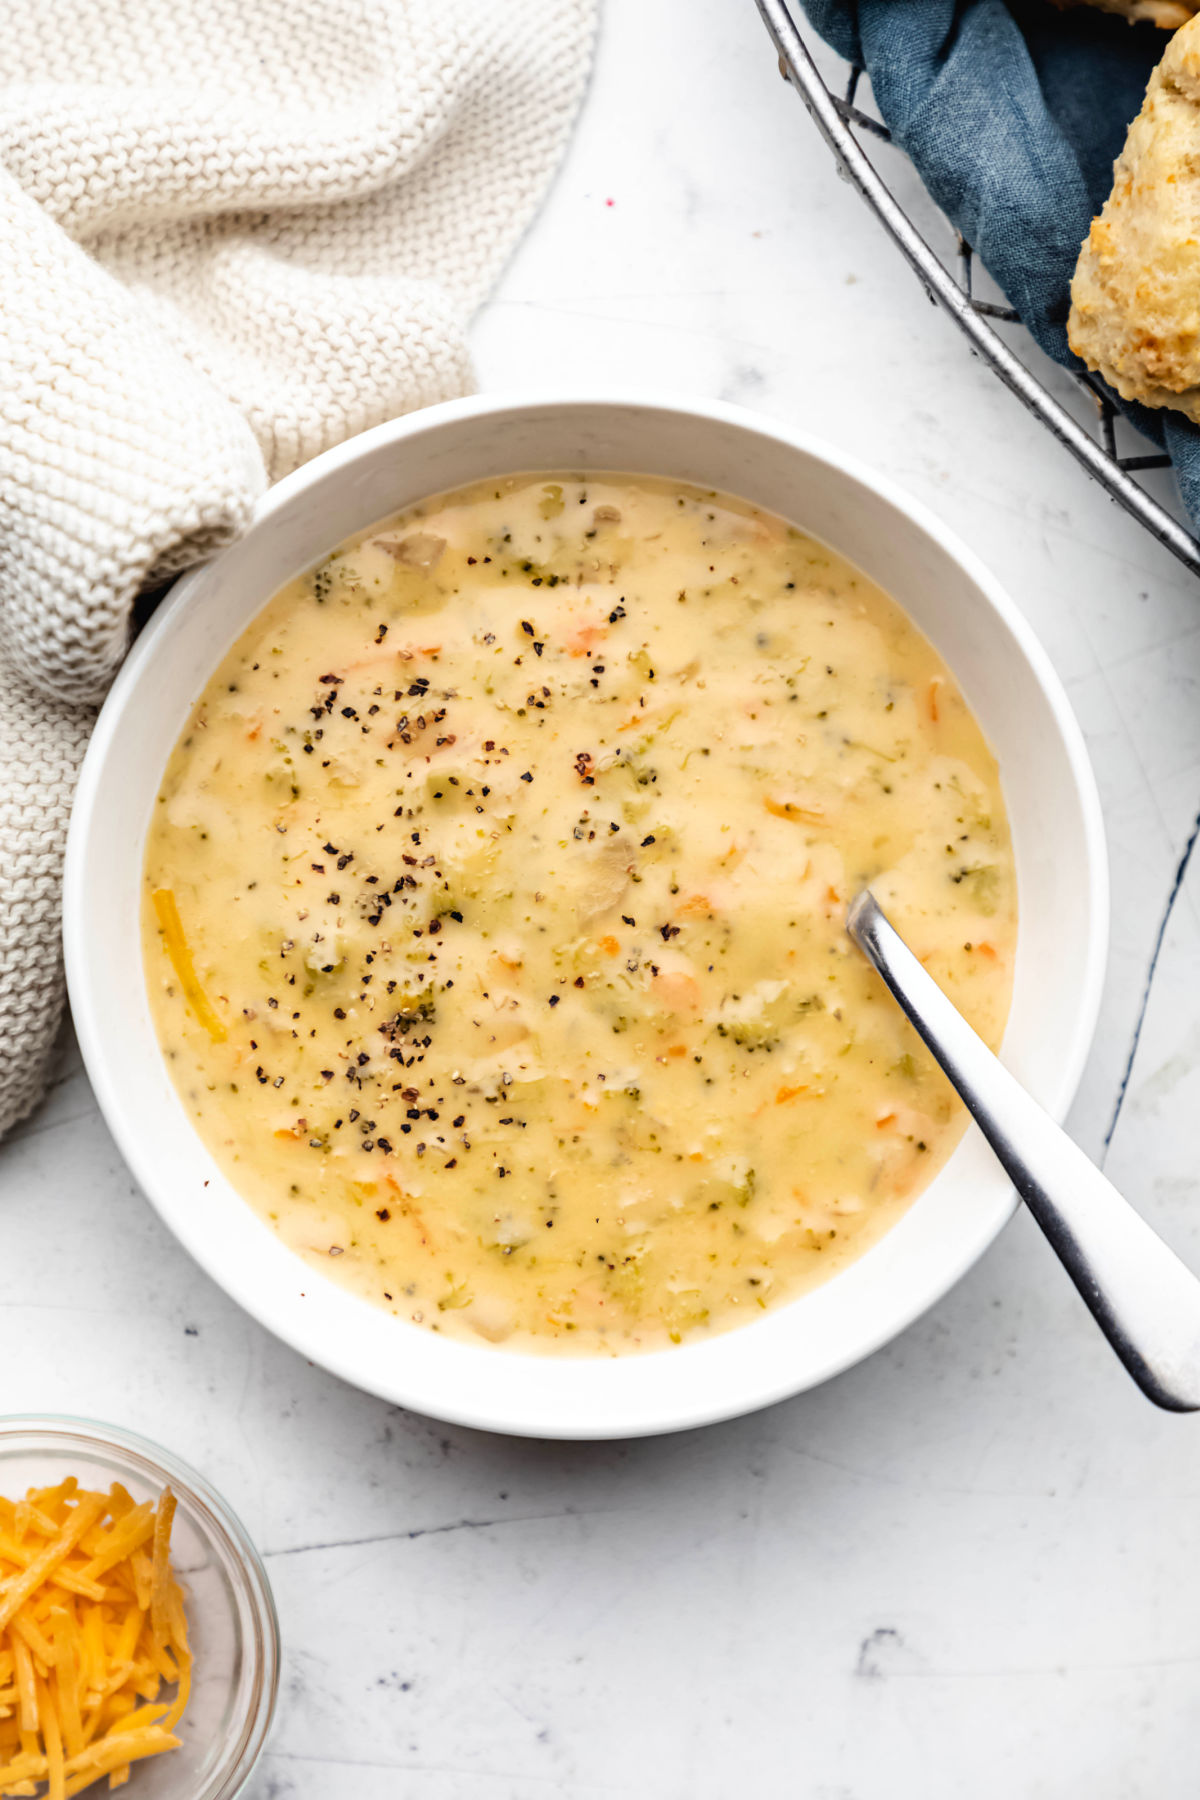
{"x":610,"y":203}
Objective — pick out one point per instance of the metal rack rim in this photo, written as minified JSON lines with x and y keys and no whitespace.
{"x":833,"y":116}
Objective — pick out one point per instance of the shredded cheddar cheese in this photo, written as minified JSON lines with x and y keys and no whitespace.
{"x":92,"y":1627}
{"x":166,"y":911}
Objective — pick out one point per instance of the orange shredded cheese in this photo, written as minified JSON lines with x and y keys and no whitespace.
{"x":92,"y":1627}
{"x":792,"y":809}
{"x":175,"y":943}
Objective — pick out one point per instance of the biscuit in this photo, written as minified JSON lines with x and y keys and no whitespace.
{"x":1169,"y":15}
{"x":1135,"y":296}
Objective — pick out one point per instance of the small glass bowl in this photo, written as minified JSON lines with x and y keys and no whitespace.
{"x":232,"y":1626}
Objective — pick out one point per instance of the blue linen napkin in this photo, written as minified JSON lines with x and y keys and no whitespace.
{"x":1013,"y":114}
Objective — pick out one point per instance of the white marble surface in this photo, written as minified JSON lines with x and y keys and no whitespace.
{"x":970,"y":1566}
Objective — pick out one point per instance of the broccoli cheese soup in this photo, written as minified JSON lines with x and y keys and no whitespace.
{"x":494,"y":911}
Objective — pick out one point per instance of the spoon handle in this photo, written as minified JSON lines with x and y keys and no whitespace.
{"x":1146,"y":1302}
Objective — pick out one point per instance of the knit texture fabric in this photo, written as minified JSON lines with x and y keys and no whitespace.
{"x":234,"y":232}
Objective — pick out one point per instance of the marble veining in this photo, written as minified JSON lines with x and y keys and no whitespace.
{"x":964,"y":1567}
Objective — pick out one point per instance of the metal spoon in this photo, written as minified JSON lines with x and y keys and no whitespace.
{"x":1146,"y":1302}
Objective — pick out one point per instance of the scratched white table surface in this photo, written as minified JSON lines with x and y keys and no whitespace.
{"x":970,"y":1566}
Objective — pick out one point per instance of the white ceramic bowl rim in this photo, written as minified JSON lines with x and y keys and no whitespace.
{"x":501,"y":1390}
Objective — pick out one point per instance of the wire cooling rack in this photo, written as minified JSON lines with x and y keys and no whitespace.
{"x":844,"y":123}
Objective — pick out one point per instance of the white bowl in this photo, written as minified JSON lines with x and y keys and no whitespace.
{"x":1061,"y":870}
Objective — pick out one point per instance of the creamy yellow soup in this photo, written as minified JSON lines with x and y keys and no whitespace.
{"x":495,"y":899}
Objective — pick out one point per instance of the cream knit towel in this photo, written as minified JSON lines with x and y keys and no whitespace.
{"x":234,"y":233}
